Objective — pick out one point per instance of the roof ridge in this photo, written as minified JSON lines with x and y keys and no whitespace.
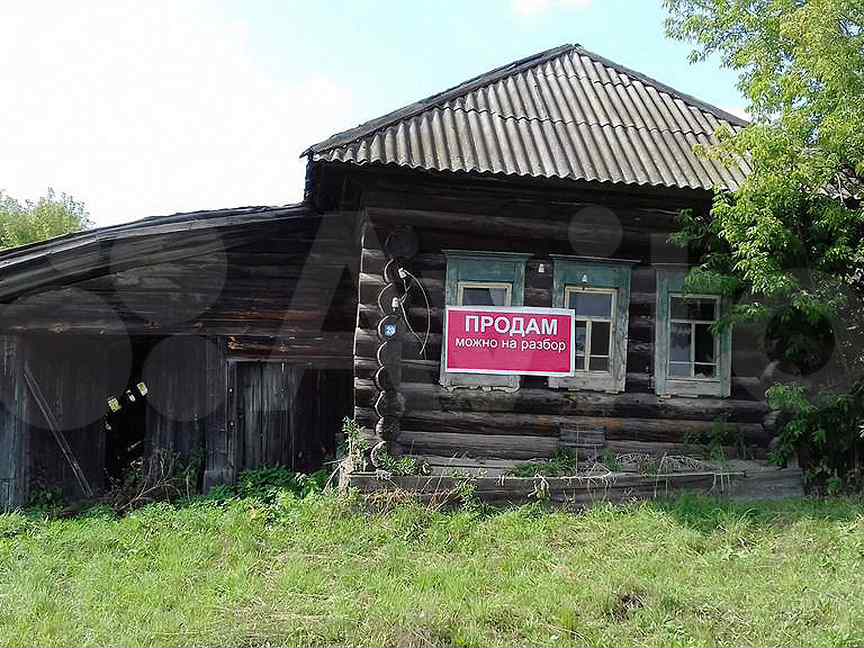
{"x":372,"y":126}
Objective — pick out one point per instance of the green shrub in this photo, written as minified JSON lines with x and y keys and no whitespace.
{"x":826,"y":431}
{"x":267,"y":484}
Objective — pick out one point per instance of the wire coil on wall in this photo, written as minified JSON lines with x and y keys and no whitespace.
{"x":401,"y":244}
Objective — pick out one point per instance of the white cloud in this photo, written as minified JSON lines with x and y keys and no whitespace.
{"x":151,"y":108}
{"x":537,"y":7}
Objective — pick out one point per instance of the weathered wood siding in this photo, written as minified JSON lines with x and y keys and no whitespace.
{"x":75,"y":376}
{"x":277,"y":290}
{"x":182,"y":313}
{"x":288,"y":415}
{"x":14,"y":443}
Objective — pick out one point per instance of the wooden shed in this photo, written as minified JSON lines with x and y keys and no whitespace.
{"x":214,"y":335}
{"x":244,"y":336}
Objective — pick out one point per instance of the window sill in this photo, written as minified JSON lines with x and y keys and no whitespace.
{"x":694,"y":387}
{"x":485,"y":382}
{"x":589,"y":382}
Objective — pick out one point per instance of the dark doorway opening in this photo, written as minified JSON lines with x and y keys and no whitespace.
{"x":126,"y":417}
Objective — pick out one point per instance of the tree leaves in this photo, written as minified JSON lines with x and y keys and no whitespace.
{"x":46,"y":218}
{"x":793,"y":234}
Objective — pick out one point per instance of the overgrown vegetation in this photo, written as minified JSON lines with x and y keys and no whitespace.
{"x":716,"y":444}
{"x":268,"y":484}
{"x":163,"y":476}
{"x":566,"y":463}
{"x":788,"y":246}
{"x":279,"y":569}
{"x":827,"y":429}
{"x":359,"y":453}
{"x":562,"y":464}
{"x":50,"y":216}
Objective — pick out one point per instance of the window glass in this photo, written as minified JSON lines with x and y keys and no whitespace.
{"x":599,"y":364}
{"x":703,"y":343}
{"x":679,"y":369}
{"x":591,"y":304}
{"x":704,"y":370}
{"x":600,"y":338}
{"x":480,"y":295}
{"x":679,"y":347}
{"x":593,"y":327}
{"x":581,"y":336}
{"x":692,"y":343}
{"x":693,"y":308}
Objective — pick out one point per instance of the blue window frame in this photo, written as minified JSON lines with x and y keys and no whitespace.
{"x":691,"y":358}
{"x":598,"y":290}
{"x":476,"y":278}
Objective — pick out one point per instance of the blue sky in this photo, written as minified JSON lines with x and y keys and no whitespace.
{"x":392,"y":53}
{"x":172,"y":105}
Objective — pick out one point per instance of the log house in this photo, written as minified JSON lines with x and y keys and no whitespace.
{"x":242,"y":337}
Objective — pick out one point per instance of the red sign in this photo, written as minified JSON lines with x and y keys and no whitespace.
{"x":509,"y":340}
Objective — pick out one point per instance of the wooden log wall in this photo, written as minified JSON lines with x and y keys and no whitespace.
{"x":527,"y":424}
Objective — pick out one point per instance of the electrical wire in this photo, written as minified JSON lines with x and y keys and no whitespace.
{"x":400,"y":301}
{"x":428,"y":312}
{"x":413,"y":332}
{"x":402,"y":273}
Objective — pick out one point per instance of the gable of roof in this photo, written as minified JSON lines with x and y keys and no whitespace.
{"x":564,"y":113}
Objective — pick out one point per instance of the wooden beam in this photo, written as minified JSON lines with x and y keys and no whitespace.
{"x":54,"y":427}
{"x":220,"y":439}
{"x":545,"y":401}
{"x":14,"y":437}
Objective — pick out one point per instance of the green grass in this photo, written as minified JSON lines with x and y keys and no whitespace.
{"x":322,"y":571}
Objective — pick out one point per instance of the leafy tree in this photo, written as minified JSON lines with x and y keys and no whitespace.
{"x":792,"y":237}
{"x":46,"y":218}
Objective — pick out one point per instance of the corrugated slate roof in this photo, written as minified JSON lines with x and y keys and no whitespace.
{"x":563,"y":113}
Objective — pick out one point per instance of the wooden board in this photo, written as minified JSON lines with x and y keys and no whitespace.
{"x":583,"y":491}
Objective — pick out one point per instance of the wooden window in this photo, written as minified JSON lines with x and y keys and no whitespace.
{"x":594,"y":308}
{"x":478,"y":278}
{"x":693,"y":347}
{"x":691,"y":358}
{"x":598,"y":290}
{"x":479,"y":293}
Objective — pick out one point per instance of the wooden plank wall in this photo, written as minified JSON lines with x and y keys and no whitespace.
{"x":183,"y":407}
{"x":281,"y":292}
{"x":527,"y":423}
{"x":288,"y":415}
{"x":283,"y":414}
{"x":75,"y":376}
{"x":276,"y":290}
{"x":14,"y":443}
